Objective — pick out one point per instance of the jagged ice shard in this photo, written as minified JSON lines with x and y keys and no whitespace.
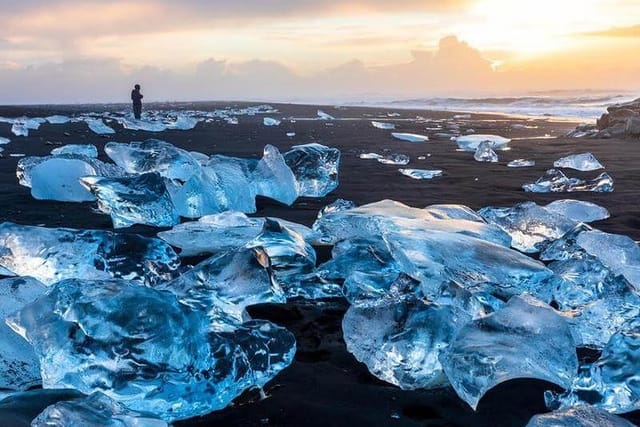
{"x":141,"y":199}
{"x":225,"y":284}
{"x":221,"y":232}
{"x":524,"y":339}
{"x":583,"y":162}
{"x":401,"y":342}
{"x":273,"y":178}
{"x":579,"y":416}
{"x":578,"y":210}
{"x":611,"y":382}
{"x":530,"y":226}
{"x":315,"y":168}
{"x":153,"y":155}
{"x":484,"y":153}
{"x":554,"y":181}
{"x":472,"y":142}
{"x":87,"y":150}
{"x":54,"y":254}
{"x":143,"y":348}
{"x":19,"y":366}
{"x":92,"y":411}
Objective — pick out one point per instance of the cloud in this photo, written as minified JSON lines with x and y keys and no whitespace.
{"x":624,"y":32}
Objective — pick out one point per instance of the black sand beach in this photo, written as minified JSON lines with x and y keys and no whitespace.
{"x":326,"y":386}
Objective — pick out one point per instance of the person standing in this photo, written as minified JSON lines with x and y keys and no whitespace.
{"x":136,"y":98}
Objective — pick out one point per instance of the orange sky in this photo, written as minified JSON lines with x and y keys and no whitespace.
{"x":68,"y":50}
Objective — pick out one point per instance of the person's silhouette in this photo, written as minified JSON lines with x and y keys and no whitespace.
{"x":136,"y":98}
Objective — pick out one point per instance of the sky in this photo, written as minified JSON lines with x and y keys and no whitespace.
{"x":62,"y":51}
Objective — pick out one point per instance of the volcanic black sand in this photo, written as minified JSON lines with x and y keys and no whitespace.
{"x":325,"y":385}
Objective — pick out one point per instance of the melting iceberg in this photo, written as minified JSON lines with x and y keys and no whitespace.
{"x":273,"y":178}
{"x":153,"y":155}
{"x":521,"y":163}
{"x":99,"y":127}
{"x":142,"y":199}
{"x":54,"y":254}
{"x":420,"y":173}
{"x":484,"y":153}
{"x":410,"y":137}
{"x":579,"y":416}
{"x":95,"y":410}
{"x":315,"y":168}
{"x":19,"y":366}
{"x":554,"y":181}
{"x":382,"y":125}
{"x":530,"y":226}
{"x":394,"y":159}
{"x":583,"y":162}
{"x":610,"y":383}
{"x":141,"y":347}
{"x":472,"y":142}
{"x":87,"y":150}
{"x":578,"y":210}
{"x":524,"y":339}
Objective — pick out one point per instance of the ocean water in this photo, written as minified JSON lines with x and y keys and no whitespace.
{"x":584,"y":107}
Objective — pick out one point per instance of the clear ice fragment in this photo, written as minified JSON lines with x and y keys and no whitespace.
{"x":410,"y":137}
{"x":383,"y":125}
{"x":394,"y":159}
{"x":420,"y":173}
{"x":472,"y":142}
{"x":484,"y":153}
{"x":554,"y":181}
{"x":273,"y":178}
{"x":521,"y":163}
{"x":315,"y":168}
{"x":578,"y":210}
{"x":583,"y":162}
{"x":98,"y":126}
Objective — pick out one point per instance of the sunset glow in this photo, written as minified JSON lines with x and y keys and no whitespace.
{"x":310,"y":39}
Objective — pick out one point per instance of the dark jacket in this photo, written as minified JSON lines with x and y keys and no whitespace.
{"x":136,"y":96}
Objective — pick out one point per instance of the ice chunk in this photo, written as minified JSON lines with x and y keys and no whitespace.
{"x":214,"y":189}
{"x":142,"y":199}
{"x":54,"y":254}
{"x":521,"y":163}
{"x":153,"y":155}
{"x":225,"y":284}
{"x":383,"y":125}
{"x":394,"y":159}
{"x":472,"y":142}
{"x":59,"y":179}
{"x":268,"y":121}
{"x":87,"y":150}
{"x":420,"y":173}
{"x":410,"y":137}
{"x":99,"y":127}
{"x":28,"y":164}
{"x":401,"y":342}
{"x":583,"y":162}
{"x":324,"y":116}
{"x":143,"y":348}
{"x":4,"y":141}
{"x":524,"y":339}
{"x":95,"y":410}
{"x":611,"y":382}
{"x":578,"y":210}
{"x":620,"y":253}
{"x":387,"y":215}
{"x":579,"y":416}
{"x":222,"y":232}
{"x":315,"y":168}
{"x":484,"y":153}
{"x":19,"y":366}
{"x":273,"y":178}
{"x":19,"y":129}
{"x":554,"y":181}
{"x":436,"y":257}
{"x":57,"y":119}
{"x":530,"y":226}
{"x":370,"y":156}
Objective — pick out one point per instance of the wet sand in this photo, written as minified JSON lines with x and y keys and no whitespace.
{"x":326,"y":386}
